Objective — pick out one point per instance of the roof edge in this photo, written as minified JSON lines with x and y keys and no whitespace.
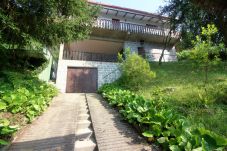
{"x":128,"y":9}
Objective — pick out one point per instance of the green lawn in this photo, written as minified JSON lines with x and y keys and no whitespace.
{"x":183,"y":83}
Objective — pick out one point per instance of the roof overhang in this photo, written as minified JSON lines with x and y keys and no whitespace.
{"x":130,"y":13}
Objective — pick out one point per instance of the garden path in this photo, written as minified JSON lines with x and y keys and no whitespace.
{"x":55,"y":129}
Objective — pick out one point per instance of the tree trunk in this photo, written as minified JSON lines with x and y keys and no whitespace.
{"x":166,"y":42}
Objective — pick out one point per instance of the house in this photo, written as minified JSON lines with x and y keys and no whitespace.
{"x":86,"y":65}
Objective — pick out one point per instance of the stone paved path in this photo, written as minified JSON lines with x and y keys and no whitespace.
{"x":54,"y":130}
{"x":112,"y":133}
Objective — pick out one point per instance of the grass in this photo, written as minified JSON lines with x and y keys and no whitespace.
{"x":184,"y":84}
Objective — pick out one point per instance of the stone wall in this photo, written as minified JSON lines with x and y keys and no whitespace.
{"x":153,"y":51}
{"x":107,"y":71}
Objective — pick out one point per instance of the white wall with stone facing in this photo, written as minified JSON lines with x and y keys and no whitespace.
{"x":107,"y":72}
{"x":152,"y":50}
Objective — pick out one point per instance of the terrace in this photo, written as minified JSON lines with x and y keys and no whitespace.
{"x":132,"y":28}
{"x":107,"y":28}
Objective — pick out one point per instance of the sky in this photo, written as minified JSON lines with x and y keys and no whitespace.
{"x":151,"y":6}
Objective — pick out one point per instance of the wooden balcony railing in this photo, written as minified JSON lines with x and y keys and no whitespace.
{"x":89,"y":56}
{"x":133,"y":28}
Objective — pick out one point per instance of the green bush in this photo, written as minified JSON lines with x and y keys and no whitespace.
{"x":136,"y":72}
{"x":183,"y":55}
{"x":22,"y":93}
{"x":158,"y":122}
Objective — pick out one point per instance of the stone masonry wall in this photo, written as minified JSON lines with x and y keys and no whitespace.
{"x":107,"y":71}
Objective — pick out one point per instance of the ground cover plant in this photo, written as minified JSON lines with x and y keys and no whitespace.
{"x":197,"y":84}
{"x":179,"y":108}
{"x":159,"y":122}
{"x":22,"y":98}
{"x":184,"y":84}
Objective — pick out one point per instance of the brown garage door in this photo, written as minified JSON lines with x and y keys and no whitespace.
{"x":81,"y":80}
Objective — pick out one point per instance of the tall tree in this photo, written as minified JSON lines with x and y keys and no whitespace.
{"x":31,"y":24}
{"x":188,"y":16}
{"x":219,"y":9}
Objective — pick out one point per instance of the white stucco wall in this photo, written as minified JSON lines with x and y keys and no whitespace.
{"x":45,"y":74}
{"x":107,"y":72}
{"x":152,"y":50}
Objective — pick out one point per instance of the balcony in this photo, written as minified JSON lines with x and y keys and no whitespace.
{"x":102,"y":57}
{"x":89,"y":56}
{"x":130,"y":28}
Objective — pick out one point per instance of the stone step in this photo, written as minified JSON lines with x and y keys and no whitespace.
{"x":83,"y":117}
{"x":83,"y":106}
{"x":86,"y":145}
{"x":83,"y":103}
{"x":82,"y":134}
{"x":83,"y":124}
{"x":83,"y":111}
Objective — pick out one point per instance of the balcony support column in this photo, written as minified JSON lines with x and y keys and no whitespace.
{"x":61,"y":51}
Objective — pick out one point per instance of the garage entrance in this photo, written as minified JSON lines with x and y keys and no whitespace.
{"x":82,"y":80}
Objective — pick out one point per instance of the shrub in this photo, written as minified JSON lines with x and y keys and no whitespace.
{"x":136,"y":72}
{"x":183,"y":55}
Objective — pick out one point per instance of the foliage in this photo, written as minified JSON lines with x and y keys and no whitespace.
{"x":204,"y":47}
{"x":21,"y":59}
{"x":184,"y":84}
{"x":188,"y":17}
{"x":136,"y":72}
{"x":30,"y":25}
{"x":24,"y":94}
{"x":219,"y":93}
{"x":6,"y":130}
{"x":160,"y":122}
{"x":217,"y":8}
{"x":183,"y":55}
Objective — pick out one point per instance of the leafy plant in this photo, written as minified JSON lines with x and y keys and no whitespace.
{"x":23,"y":94}
{"x":5,"y":130}
{"x":160,"y":123}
